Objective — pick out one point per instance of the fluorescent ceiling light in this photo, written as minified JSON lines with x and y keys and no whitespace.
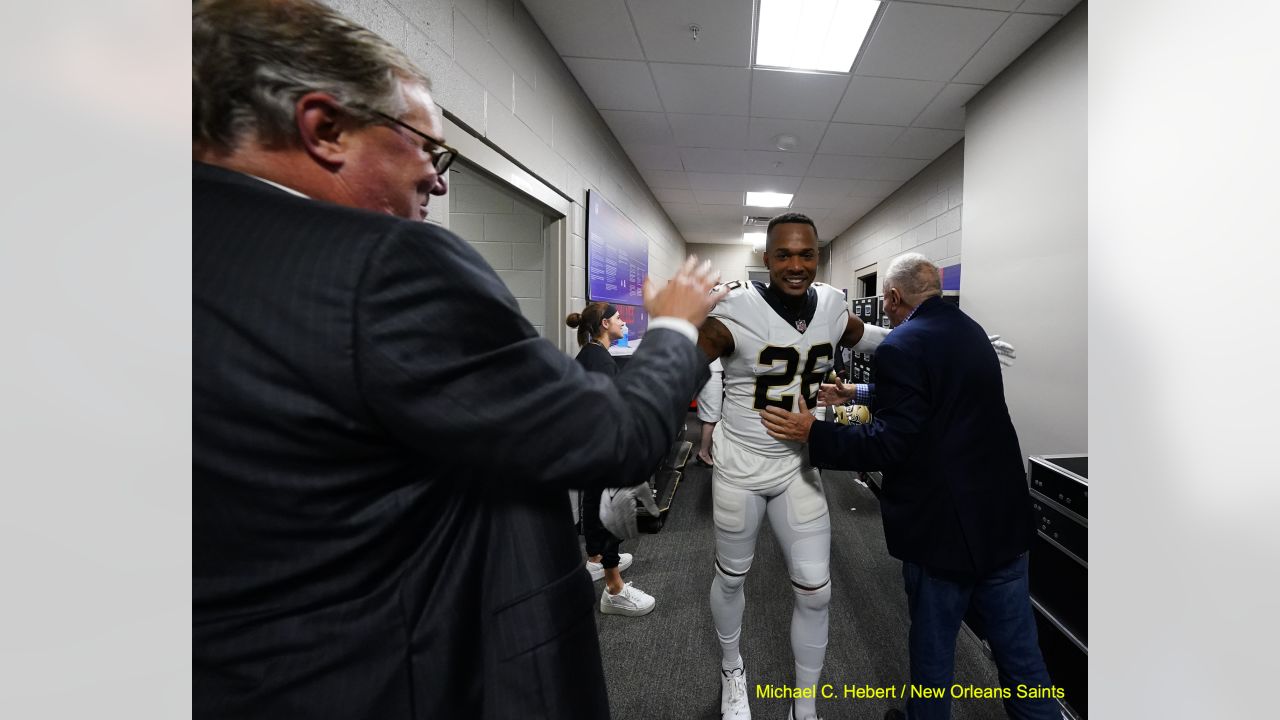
{"x":768,"y":199}
{"x":754,"y":239}
{"x":813,"y":34}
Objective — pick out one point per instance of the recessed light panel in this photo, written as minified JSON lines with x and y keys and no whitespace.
{"x":812,"y":34}
{"x":768,"y":199}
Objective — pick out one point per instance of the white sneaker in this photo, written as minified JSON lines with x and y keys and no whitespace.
{"x":597,"y":569}
{"x":733,"y":695}
{"x":631,"y":601}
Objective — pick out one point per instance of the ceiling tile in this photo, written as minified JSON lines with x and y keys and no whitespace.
{"x":763,"y":131}
{"x":616,"y":84}
{"x":724,"y":37}
{"x":799,"y":95}
{"x":885,"y":101}
{"x":772,"y":183}
{"x":1005,"y":46}
{"x":763,"y":162}
{"x":1053,"y":7}
{"x":654,"y":157}
{"x":682,"y":211}
{"x":814,"y":214}
{"x":827,"y":186}
{"x":638,"y":128}
{"x":703,"y":89}
{"x":713,"y":131}
{"x":868,"y":168}
{"x":712,"y":160}
{"x":926,"y":42}
{"x":718,"y":197}
{"x":878,"y":189}
{"x":846,"y":139}
{"x":824,"y":192}
{"x":861,"y":206}
{"x":816,"y":199}
{"x":723,"y":213}
{"x":672,"y":196}
{"x":718,"y":181}
{"x":946,"y":112}
{"x":587,"y":28}
{"x":842,"y":218}
{"x":666,"y":179}
{"x":924,"y":143}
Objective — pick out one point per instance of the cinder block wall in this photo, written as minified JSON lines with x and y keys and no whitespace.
{"x":508,"y":233}
{"x":924,"y":216}
{"x":493,"y":68}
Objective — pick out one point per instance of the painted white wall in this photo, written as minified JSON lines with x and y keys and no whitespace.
{"x":731,"y":260}
{"x":924,"y":216}
{"x":508,"y":232}
{"x":492,"y":68}
{"x":1025,"y":225}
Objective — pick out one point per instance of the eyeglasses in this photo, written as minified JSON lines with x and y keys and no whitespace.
{"x":442,"y":156}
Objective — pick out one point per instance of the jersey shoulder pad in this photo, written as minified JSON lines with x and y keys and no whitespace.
{"x":739,"y":292}
{"x":825,"y":289}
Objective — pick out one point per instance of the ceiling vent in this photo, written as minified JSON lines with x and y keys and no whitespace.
{"x":754,"y":221}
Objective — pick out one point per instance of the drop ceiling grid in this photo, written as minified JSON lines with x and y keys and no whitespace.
{"x":710,"y":134}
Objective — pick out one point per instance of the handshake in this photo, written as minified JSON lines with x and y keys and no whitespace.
{"x":834,"y":392}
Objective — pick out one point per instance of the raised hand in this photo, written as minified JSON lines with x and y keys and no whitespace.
{"x":687,"y":295}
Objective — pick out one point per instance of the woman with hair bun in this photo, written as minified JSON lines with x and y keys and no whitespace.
{"x":598,"y":326}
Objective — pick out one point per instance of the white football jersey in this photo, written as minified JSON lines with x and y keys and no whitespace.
{"x":773,"y":360}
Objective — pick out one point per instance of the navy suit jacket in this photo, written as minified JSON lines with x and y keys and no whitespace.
{"x":954,"y":495}
{"x":381,"y":451}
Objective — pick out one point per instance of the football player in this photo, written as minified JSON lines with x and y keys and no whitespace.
{"x":777,"y":343}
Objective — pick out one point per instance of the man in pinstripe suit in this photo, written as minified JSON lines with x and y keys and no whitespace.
{"x":362,"y":548}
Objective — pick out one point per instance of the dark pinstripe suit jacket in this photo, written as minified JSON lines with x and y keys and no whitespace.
{"x":381,"y":447}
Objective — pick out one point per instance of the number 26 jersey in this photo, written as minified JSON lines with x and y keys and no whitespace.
{"x":775,"y":359}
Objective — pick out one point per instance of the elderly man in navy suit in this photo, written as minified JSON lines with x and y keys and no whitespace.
{"x":955,"y":502}
{"x":361,"y":546}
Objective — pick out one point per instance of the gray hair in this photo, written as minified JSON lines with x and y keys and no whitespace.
{"x":252,"y":59}
{"x":914,"y":276}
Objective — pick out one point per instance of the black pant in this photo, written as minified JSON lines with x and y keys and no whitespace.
{"x":599,"y":541}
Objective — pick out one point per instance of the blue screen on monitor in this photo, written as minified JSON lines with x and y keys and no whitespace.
{"x":617,"y":254}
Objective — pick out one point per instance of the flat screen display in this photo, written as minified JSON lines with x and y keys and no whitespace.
{"x":617,"y":254}
{"x":637,"y":321}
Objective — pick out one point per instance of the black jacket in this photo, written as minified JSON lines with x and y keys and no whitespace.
{"x":954,"y":493}
{"x":381,"y":449}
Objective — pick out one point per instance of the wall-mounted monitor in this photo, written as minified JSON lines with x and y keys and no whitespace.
{"x":617,"y":254}
{"x":637,"y":320}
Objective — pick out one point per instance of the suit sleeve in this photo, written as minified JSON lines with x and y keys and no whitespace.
{"x":901,"y":410}
{"x":439,"y":336}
